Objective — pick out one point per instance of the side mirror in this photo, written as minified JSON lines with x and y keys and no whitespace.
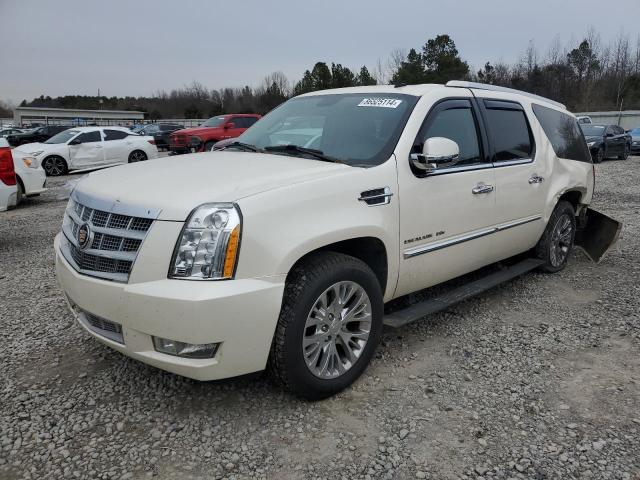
{"x":75,"y":141}
{"x":608,"y":135}
{"x":437,"y":152}
{"x":229,"y":125}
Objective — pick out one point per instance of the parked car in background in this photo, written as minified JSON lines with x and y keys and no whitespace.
{"x":88,"y":147}
{"x":8,"y":187}
{"x":160,"y":132}
{"x":635,"y":139}
{"x":282,"y":256}
{"x":584,"y":120}
{"x":35,"y":134}
{"x":5,"y":132}
{"x":606,"y":141}
{"x":39,"y":134}
{"x":30,"y":176}
{"x":218,"y":128}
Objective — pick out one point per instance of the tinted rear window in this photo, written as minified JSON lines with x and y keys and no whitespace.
{"x":564,"y":133}
{"x":509,"y":130}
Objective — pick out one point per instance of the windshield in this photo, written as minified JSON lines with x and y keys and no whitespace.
{"x":63,"y":137}
{"x":213,"y":122}
{"x":592,"y":130}
{"x":358,"y":129}
{"x":635,"y":131}
{"x":150,"y":129}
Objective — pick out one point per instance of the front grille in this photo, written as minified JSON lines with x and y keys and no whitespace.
{"x":114,"y":238}
{"x":106,"y":328}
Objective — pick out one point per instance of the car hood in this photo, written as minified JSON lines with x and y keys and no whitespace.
{"x":196,"y":130}
{"x":592,"y":138}
{"x":29,"y":148}
{"x":176,"y":185}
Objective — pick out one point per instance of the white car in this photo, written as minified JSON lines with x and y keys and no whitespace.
{"x":8,"y":187}
{"x":82,"y":148}
{"x":270,"y":254}
{"x":31,"y":177}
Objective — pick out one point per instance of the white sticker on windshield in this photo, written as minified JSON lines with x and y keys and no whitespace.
{"x":380,"y":102}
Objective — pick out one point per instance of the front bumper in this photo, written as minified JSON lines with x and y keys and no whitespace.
{"x":34,"y":180}
{"x":241,"y":315}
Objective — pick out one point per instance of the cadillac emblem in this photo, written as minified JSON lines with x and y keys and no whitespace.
{"x":84,"y":236}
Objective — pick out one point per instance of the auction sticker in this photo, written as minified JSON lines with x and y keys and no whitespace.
{"x":380,"y":102}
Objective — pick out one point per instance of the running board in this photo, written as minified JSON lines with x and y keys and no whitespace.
{"x":440,"y":302}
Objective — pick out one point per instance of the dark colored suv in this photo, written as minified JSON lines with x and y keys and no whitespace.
{"x":218,"y":128}
{"x":160,"y":132}
{"x":606,"y":141}
{"x":40,"y":134}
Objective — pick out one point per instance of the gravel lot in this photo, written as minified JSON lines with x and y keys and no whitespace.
{"x":539,"y":378}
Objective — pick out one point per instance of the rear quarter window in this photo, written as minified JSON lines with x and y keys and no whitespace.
{"x":563,"y":133}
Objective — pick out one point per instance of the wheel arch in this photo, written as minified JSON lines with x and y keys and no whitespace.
{"x":371,"y":250}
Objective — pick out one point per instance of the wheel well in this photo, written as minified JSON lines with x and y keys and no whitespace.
{"x":370,"y":250}
{"x":573,"y":197}
{"x":20,"y":181}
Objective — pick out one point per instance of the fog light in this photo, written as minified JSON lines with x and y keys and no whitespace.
{"x":187,"y":350}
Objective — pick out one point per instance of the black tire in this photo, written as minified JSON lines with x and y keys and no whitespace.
{"x":599,"y":156}
{"x":137,"y":156}
{"x":208,"y":146}
{"x":305,"y":284}
{"x":625,"y":154}
{"x":55,"y":166}
{"x":554,"y":247}
{"x":20,"y":194}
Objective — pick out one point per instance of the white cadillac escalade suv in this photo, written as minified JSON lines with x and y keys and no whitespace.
{"x":281,"y":251}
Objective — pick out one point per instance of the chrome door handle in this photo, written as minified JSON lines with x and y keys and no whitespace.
{"x":536,"y":179}
{"x":482,"y":188}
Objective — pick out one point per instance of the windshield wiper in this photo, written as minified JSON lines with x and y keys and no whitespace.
{"x":312,"y":152}
{"x":244,"y":146}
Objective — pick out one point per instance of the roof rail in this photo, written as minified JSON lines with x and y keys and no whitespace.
{"x":496,"y":88}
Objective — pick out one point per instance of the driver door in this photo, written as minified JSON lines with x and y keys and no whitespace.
{"x":85,"y":151}
{"x":446,"y":215}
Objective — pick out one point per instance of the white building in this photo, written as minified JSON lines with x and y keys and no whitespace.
{"x":64,"y":116}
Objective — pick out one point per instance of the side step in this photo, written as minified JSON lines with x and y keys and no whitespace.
{"x":440,"y":302}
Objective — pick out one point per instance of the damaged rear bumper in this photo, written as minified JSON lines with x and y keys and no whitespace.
{"x":597,"y":234}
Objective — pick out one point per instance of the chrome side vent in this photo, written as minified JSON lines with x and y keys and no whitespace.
{"x":376,"y":196}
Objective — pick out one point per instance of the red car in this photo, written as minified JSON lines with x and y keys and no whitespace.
{"x":202,"y":138}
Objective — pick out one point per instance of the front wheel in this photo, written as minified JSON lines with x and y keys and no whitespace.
{"x":625,"y":153}
{"x":556,"y":242}
{"x":329,"y":325}
{"x":137,"y":156}
{"x":599,"y":156}
{"x":54,"y":166}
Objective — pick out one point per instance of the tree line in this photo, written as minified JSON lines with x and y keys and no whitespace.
{"x":587,"y":75}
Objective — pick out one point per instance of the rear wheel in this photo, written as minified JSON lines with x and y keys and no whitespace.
{"x":54,"y":166}
{"x":137,"y":156}
{"x":556,"y":242}
{"x":329,"y":325}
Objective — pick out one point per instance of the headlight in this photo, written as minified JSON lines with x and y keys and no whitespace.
{"x":209,"y":243}
{"x":591,"y":144}
{"x":30,"y":162}
{"x":35,"y":154}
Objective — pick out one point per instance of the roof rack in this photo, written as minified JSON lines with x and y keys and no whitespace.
{"x":496,"y":88}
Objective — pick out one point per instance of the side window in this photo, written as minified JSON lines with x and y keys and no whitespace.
{"x":618,"y":130}
{"x":563,"y":133}
{"x":609,"y":130}
{"x":89,"y":137}
{"x":455,"y":120}
{"x":509,"y":130}
{"x":114,"y":135}
{"x":238,"y":122}
{"x":250,"y":121}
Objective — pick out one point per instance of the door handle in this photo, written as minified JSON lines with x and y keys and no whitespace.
{"x":482,"y":188}
{"x":535,"y":179}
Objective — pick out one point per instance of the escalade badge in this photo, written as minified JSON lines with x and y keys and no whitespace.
{"x":84,"y":236}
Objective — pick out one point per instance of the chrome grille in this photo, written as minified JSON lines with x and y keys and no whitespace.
{"x":116,"y":236}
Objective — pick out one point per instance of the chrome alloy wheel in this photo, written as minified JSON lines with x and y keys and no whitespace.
{"x":54,"y":166}
{"x":137,"y":156}
{"x":561,"y":240}
{"x":337,"y":330}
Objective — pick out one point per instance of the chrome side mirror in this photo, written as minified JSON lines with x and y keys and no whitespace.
{"x":437,"y":152}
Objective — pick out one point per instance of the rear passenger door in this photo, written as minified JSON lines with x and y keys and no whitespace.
{"x":116,"y":146}
{"x":520,"y":176}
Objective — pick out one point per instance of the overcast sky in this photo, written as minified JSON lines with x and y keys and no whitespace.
{"x":136,"y":47}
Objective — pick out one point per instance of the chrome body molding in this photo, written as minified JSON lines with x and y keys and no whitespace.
{"x":432,"y":247}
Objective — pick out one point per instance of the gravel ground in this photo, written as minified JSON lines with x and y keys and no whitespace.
{"x":539,"y":378}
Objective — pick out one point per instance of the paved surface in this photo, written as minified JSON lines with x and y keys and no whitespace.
{"x":539,"y":378}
